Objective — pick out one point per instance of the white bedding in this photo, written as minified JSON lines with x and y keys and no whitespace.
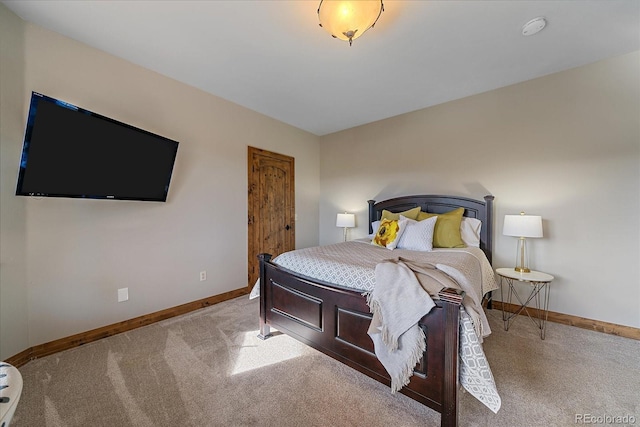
{"x":352,"y":265}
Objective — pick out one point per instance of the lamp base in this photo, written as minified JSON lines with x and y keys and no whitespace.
{"x":522,"y":257}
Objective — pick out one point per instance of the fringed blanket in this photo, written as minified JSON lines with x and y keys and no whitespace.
{"x":398,"y":302}
{"x":403,"y":294}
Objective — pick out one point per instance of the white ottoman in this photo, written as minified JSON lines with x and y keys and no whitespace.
{"x":10,"y":390}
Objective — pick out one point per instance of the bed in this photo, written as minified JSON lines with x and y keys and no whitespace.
{"x":334,"y":319}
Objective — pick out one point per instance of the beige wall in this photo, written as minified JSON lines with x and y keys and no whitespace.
{"x":14,"y":331}
{"x":79,"y":252}
{"x":565,"y":146}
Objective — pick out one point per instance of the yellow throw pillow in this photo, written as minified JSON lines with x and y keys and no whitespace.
{"x":447,"y":231}
{"x":389,"y":232}
{"x":411,"y":214}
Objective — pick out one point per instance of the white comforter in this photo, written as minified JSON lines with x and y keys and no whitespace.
{"x":352,"y":264}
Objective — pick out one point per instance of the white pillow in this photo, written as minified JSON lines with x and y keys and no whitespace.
{"x":470,"y":231}
{"x":389,"y":233}
{"x":418,"y":235}
{"x":374,"y":226}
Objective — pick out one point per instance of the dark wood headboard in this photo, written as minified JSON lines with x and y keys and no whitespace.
{"x":482,"y":210}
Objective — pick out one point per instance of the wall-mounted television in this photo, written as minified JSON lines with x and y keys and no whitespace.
{"x":72,"y":152}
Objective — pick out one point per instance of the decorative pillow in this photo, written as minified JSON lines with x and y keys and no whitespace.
{"x":374,"y":227}
{"x":470,"y":231}
{"x":411,"y":214}
{"x":389,"y":233}
{"x":447,"y":230}
{"x":418,"y":235}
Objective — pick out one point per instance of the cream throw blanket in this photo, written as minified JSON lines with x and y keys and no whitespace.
{"x":398,"y":302}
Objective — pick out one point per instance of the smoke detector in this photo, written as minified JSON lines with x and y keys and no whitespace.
{"x":534,"y":26}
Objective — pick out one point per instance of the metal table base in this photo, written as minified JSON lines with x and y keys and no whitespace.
{"x":540,"y":321}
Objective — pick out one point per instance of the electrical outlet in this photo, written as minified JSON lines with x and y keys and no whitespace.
{"x":203,"y":276}
{"x":123,"y":294}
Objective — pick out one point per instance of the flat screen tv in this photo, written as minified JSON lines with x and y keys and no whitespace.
{"x":72,"y":152}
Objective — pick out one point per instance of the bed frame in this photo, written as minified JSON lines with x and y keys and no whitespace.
{"x":334,"y":320}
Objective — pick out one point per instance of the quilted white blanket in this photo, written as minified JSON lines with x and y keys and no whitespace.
{"x":352,"y":264}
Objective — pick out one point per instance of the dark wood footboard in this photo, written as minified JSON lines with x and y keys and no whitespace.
{"x":335,"y":321}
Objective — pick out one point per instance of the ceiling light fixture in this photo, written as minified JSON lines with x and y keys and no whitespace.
{"x":348,"y":20}
{"x":534,"y":26}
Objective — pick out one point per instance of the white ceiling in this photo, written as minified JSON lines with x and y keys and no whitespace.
{"x":272,"y":57}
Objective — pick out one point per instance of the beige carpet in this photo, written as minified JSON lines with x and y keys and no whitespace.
{"x":208,"y":368}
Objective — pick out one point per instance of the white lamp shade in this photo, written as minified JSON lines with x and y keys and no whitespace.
{"x":522,"y":225}
{"x":346,"y":220}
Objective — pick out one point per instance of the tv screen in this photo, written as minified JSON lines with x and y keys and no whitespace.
{"x":72,"y":152}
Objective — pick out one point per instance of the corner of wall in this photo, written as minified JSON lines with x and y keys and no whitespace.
{"x":14,"y":329}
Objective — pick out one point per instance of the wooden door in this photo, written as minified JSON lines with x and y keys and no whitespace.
{"x":271,"y":206}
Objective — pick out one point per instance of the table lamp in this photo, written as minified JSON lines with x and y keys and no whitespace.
{"x":346,"y":220}
{"x":522,"y":226}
